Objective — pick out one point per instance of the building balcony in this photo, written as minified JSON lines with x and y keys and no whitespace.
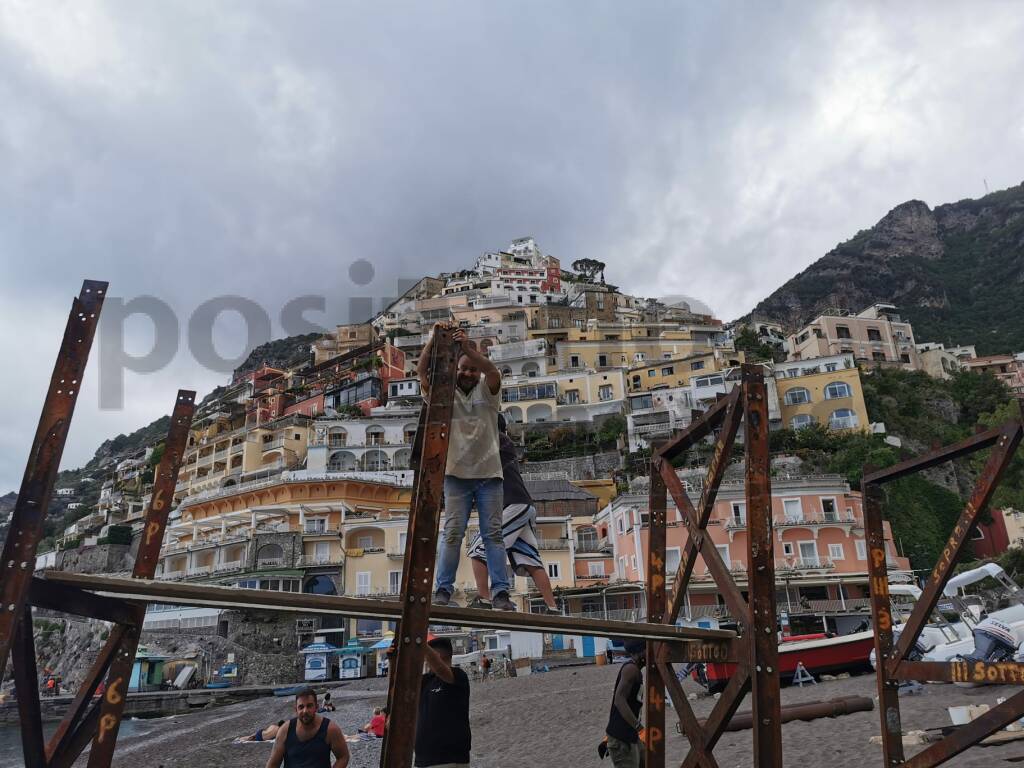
{"x":273,"y":444}
{"x":552,"y":543}
{"x":228,"y":566}
{"x":362,"y":551}
{"x":591,"y":547}
{"x":172,"y":575}
{"x":396,"y":554}
{"x":804,"y":564}
{"x":817,"y":521}
{"x":200,"y":570}
{"x":311,"y":561}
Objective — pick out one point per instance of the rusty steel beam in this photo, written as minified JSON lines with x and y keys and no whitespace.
{"x":728,"y":702}
{"x":696,"y":537}
{"x":697,"y":430}
{"x":26,"y":529}
{"x":764,"y":650}
{"x":26,"y":684}
{"x":881,"y":609}
{"x":967,"y":446}
{"x":689,"y":726}
{"x":421,"y":547}
{"x":1000,"y":457}
{"x":58,"y":597}
{"x":966,"y":736}
{"x":68,"y":731}
{"x":976,"y":672}
{"x":119,"y":674}
{"x":811,"y":710}
{"x":717,"y":651}
{"x":699,"y":519}
{"x":370,"y":608}
{"x":654,"y":700}
{"x":69,"y":749}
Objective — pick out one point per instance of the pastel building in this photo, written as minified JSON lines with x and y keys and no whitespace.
{"x":824,"y":390}
{"x":874,"y":336}
{"x":820,"y":551}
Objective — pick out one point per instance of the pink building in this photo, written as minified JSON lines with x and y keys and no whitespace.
{"x":820,"y":551}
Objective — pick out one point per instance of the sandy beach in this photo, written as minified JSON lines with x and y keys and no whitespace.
{"x":556,"y":719}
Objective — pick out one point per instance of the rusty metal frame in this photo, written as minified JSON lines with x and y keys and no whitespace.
{"x":123,"y":600}
{"x":892,"y":665}
{"x":757,"y":656}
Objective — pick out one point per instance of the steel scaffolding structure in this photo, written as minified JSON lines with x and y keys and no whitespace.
{"x":753,"y":649}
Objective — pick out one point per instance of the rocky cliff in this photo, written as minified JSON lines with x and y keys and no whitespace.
{"x":955,"y":271}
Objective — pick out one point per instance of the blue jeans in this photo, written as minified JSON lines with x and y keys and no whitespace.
{"x":459,"y":495}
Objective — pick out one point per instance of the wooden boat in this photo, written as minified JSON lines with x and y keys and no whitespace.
{"x":820,"y":654}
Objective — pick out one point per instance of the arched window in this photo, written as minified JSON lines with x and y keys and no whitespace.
{"x":797,"y":395}
{"x":375,"y":435}
{"x":270,"y":555}
{"x":843,"y":418}
{"x":320,"y":585}
{"x":341,"y":461}
{"x":836,"y":390}
{"x":801,"y":420}
{"x":337,"y":436}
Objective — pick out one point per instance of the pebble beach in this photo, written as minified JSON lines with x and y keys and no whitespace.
{"x":556,"y":719}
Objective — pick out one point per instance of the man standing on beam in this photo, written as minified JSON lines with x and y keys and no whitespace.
{"x":473,"y":470}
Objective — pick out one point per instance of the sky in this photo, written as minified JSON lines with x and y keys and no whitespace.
{"x":268,"y":151}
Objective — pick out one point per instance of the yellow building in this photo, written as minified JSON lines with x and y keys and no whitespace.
{"x":676,"y":372}
{"x":568,"y":396}
{"x":823,"y":390}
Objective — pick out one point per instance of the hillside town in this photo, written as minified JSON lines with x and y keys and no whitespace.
{"x":298,"y":479}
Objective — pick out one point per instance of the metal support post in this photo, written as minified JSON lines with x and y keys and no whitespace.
{"x":654,"y":700}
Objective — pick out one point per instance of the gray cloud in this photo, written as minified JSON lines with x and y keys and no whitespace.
{"x":191,"y":150}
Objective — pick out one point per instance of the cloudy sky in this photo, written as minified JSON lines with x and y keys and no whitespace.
{"x":187,"y":151}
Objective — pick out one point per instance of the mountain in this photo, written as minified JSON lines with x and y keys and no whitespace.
{"x":956,"y":273}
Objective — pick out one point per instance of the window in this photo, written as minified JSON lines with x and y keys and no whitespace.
{"x":402,"y":537}
{"x":836,"y":390}
{"x":831,"y":367}
{"x":316,"y":525}
{"x":553,"y":571}
{"x":843,"y":332}
{"x":697,"y":365}
{"x":574,"y":361}
{"x":797,"y":396}
{"x":365,"y":542}
{"x":363,"y":583}
{"x":668,"y":371}
{"x":905,"y":358}
{"x":620,"y":524}
{"x":632,"y":561}
{"x":572,"y":396}
{"x":878,"y":356}
{"x":622,"y":567}
{"x":874,"y":334}
{"x":604,"y":392}
{"x":637,"y":382}
{"x":808,"y":552}
{"x":672,"y":557}
{"x":801,"y":420}
{"x":652,"y":373}
{"x":595,"y":568}
{"x":739,"y":512}
{"x":843,"y":418}
{"x":835,"y":552}
{"x":723,"y":550}
{"x":862,"y":549}
{"x":793,"y":511}
{"x":638,"y":357}
{"x":828,"y":508}
{"x":322,"y":552}
{"x":787,"y":549}
{"x":602,"y":361}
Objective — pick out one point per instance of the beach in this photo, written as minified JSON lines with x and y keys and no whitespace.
{"x":557,"y":719}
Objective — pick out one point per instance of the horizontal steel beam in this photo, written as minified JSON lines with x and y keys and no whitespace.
{"x":973,"y":443}
{"x":979,"y":672}
{"x":708,"y":651}
{"x":59,"y":597}
{"x":254,"y":599}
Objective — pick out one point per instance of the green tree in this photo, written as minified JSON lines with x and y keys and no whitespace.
{"x":590,"y":269}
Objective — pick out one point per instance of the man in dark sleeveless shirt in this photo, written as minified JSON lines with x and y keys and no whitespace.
{"x":624,"y":719}
{"x":307,"y":740}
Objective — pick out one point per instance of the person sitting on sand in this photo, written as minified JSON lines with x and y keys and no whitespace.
{"x":328,"y":705}
{"x":262,"y":734}
{"x":308,"y":739}
{"x":443,"y":736}
{"x":623,"y":729}
{"x":518,"y":532}
{"x":377,"y":722}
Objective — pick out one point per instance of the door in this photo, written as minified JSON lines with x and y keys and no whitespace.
{"x":557,"y":643}
{"x":808,"y":552}
{"x":588,"y":646}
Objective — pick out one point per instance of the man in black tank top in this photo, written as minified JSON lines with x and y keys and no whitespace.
{"x":624,"y":724}
{"x":307,"y":740}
